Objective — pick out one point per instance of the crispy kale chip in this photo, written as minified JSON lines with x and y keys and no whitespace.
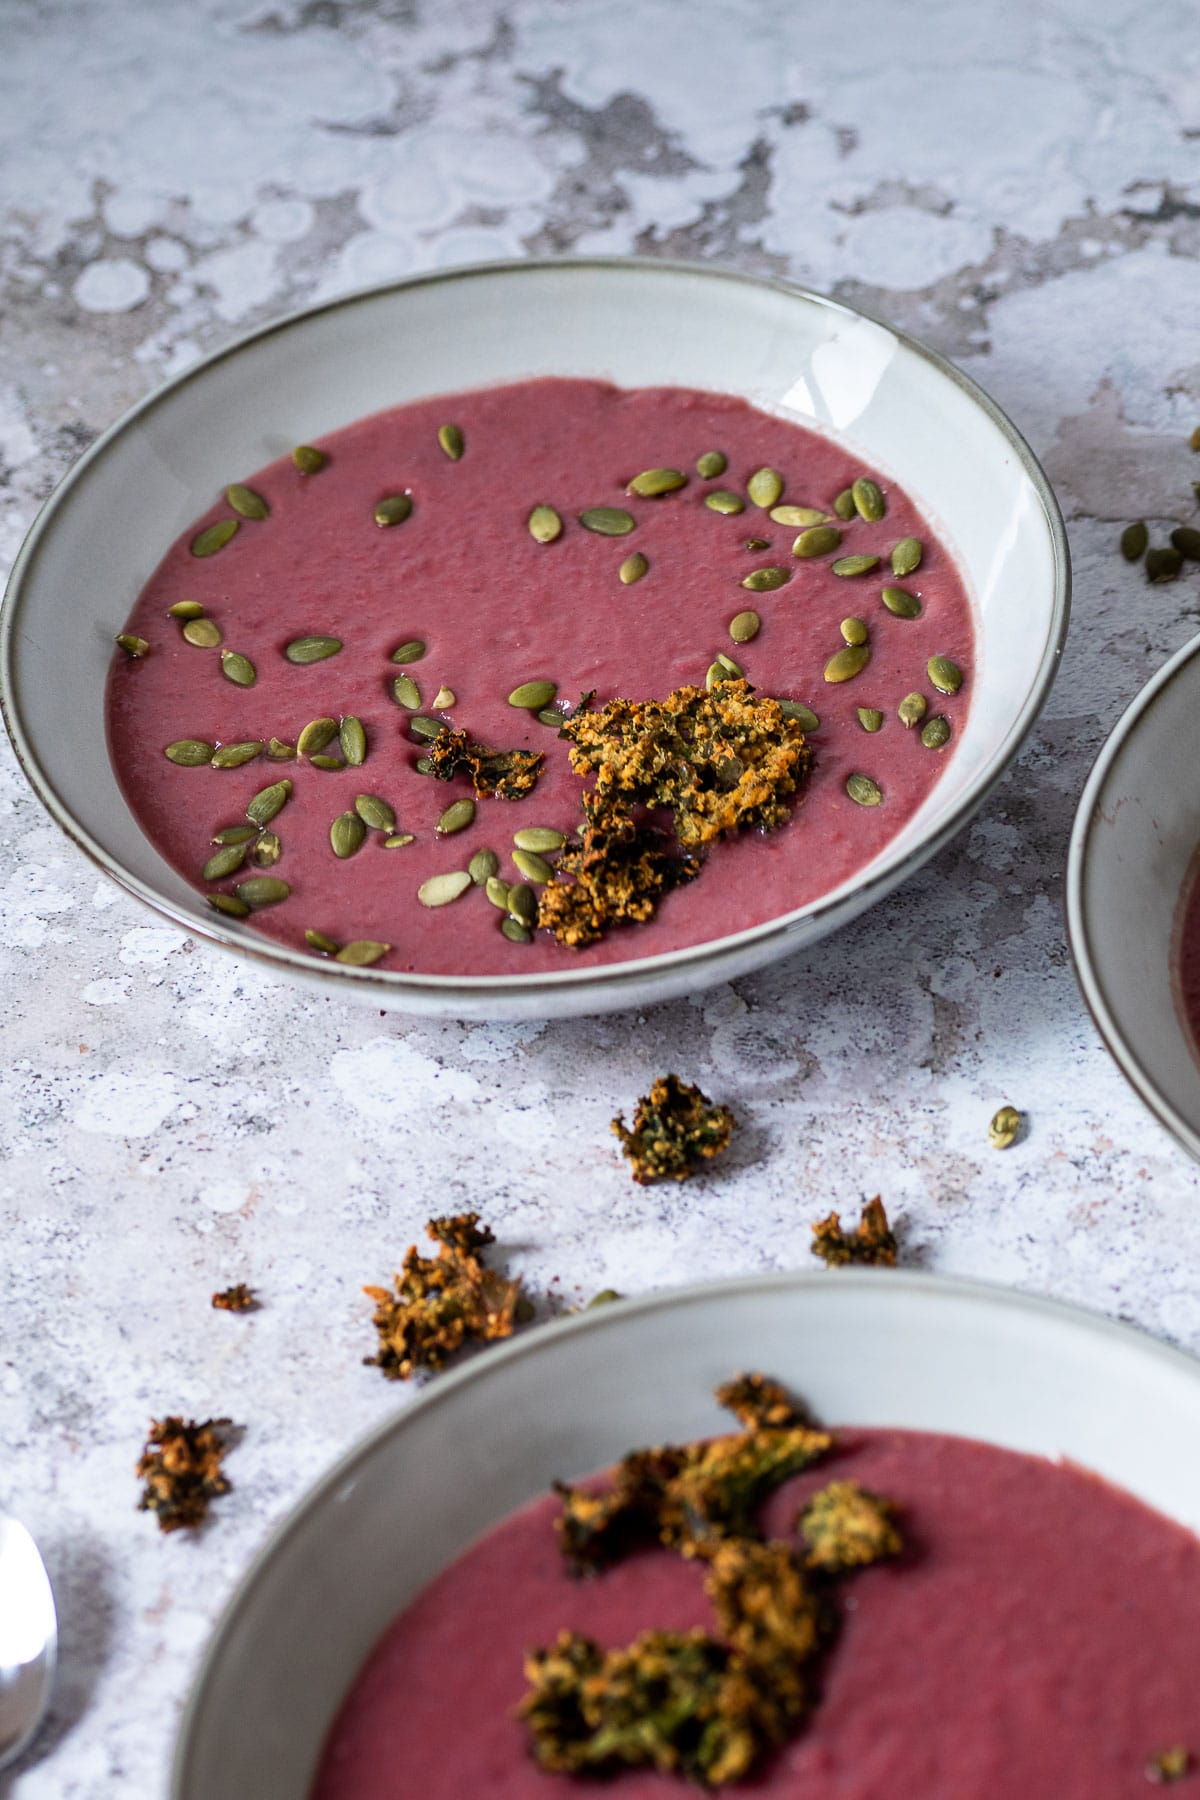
{"x":1169,"y":1766}
{"x":675,"y":1129}
{"x":620,"y":871}
{"x":504,"y":774}
{"x":442,"y":1301}
{"x":845,"y":1526}
{"x":871,"y":1241}
{"x":180,"y":1469}
{"x":238,"y":1298}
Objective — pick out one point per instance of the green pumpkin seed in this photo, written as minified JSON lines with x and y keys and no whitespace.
{"x":326,"y":762}
{"x":533,"y":866}
{"x":312,"y":649}
{"x":451,"y":440}
{"x":652,"y":482}
{"x":550,"y":715}
{"x":1163,"y":564}
{"x":901,"y":603}
{"x":232,"y":756}
{"x":818,"y":540}
{"x":710,"y":465}
{"x":868,"y":499}
{"x":497,"y":892}
{"x":319,"y":940}
{"x":632,"y":569}
{"x":262,"y":890}
{"x":863,"y":791}
{"x":609,"y":521}
{"x":238,"y":668}
{"x":798,"y":517}
{"x":854,"y":631}
{"x":185,"y":609}
{"x":482,"y":866}
{"x":714,"y":675}
{"x":440,"y":890}
{"x":234,"y":834}
{"x":228,"y":904}
{"x":393,"y":509}
{"x":522,"y":903}
{"x":912,"y":710}
{"x":425,"y":729}
{"x":730,"y":667}
{"x":764,"y":581}
{"x":361,"y":953}
{"x":945,"y":675}
{"x":532,"y":696}
{"x":539,"y":838}
{"x":423,"y":766}
{"x":844,"y":505}
{"x":906,"y":556}
{"x":204,"y":633}
{"x":268,"y":850}
{"x":456,"y":817}
{"x":308,"y":459}
{"x":804,"y":716}
{"x":353,"y":740}
{"x":869,"y":718}
{"x":375,"y":812}
{"x":515,"y":932}
{"x":936,"y":735}
{"x":244,"y":500}
{"x":264,"y":805}
{"x":722,"y":501}
{"x":406,"y":692}
{"x":444,"y":699}
{"x":744,"y":626}
{"x":410,"y":651}
{"x":1004,"y":1128}
{"x":765,"y":488}
{"x":398,"y":840}
{"x":278,"y":751}
{"x":316,"y":734}
{"x":224,"y":862}
{"x":1187,"y":541}
{"x":189,"y":753}
{"x":848,"y":662}
{"x":854,"y":565}
{"x":347,"y":835}
{"x":213,"y":537}
{"x":135,"y":647}
{"x":544,"y":524}
{"x":1134,"y":539}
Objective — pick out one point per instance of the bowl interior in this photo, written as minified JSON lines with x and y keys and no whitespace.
{"x":863,"y":1348}
{"x":905,"y":413}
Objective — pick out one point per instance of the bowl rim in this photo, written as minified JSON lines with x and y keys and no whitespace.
{"x":921,"y":1287}
{"x":1079,"y":939}
{"x":768,"y":938}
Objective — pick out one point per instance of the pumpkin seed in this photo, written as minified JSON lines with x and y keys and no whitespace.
{"x":714,"y":675}
{"x":278,"y":751}
{"x":189,"y":753}
{"x":451,"y":440}
{"x":410,"y":651}
{"x":444,"y":699}
{"x":710,"y":465}
{"x":863,"y":791}
{"x":224,"y":861}
{"x":238,"y":668}
{"x":457,"y":816}
{"x":262,"y":890}
{"x":906,"y":556}
{"x":1163,"y":564}
{"x":268,"y":801}
{"x":1134,"y":539}
{"x":854,"y":565}
{"x":316,"y":734}
{"x":515,"y":932}
{"x":393,"y":509}
{"x":632,"y":569}
{"x":730,"y":667}
{"x":764,"y":581}
{"x":869,"y":718}
{"x":532,"y":696}
{"x":234,"y":834}
{"x":440,"y":890}
{"x":244,"y":500}
{"x":901,"y":603}
{"x":497,"y":892}
{"x":213,"y":537}
{"x":360,"y":953}
{"x":550,"y":715}
{"x":308,"y":459}
{"x":398,"y":840}
{"x":868,"y":499}
{"x":268,"y":850}
{"x":1187,"y":541}
{"x":533,"y":866}
{"x":406,"y":692}
{"x":375,"y":812}
{"x":538,"y":837}
{"x":818,"y":540}
{"x":522,"y":903}
{"x":229,"y":904}
{"x":936,"y":735}
{"x":797,"y":517}
{"x":1004,"y":1127}
{"x":425,"y":729}
{"x":652,"y":482}
{"x":850,"y":661}
{"x":544,"y":524}
{"x":347,"y":835}
{"x":326,"y":762}
{"x":232,"y":756}
{"x":312,"y":649}
{"x":844,"y":505}
{"x":135,"y":647}
{"x":353,"y":740}
{"x":912,"y":710}
{"x":945,"y":675}
{"x":744,"y":626}
{"x":185,"y":609}
{"x":722,"y":501}
{"x":609,"y":521}
{"x":757,"y":544}
{"x":804,"y":716}
{"x":854,"y":631}
{"x":318,"y":940}
{"x":204,"y":633}
{"x":765,"y":487}
{"x":482,"y":866}
{"x":423,"y":766}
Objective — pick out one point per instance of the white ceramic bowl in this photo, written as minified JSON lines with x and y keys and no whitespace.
{"x":864,"y":1347}
{"x":1135,"y":833}
{"x":902,"y":409}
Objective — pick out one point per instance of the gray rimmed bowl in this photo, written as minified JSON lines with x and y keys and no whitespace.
{"x":901,"y":408}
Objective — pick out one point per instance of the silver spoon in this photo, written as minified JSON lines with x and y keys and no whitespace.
{"x":28,"y":1639}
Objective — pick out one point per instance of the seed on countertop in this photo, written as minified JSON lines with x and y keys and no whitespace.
{"x":185,"y":609}
{"x":440,"y":890}
{"x":213,"y":537}
{"x":533,"y":866}
{"x":798,"y":517}
{"x":1163,"y":563}
{"x":531,"y":696}
{"x":308,"y":459}
{"x":393,"y":509}
{"x":224,"y":861}
{"x":232,"y":756}
{"x":312,"y":649}
{"x":360,"y":953}
{"x":244,"y":500}
{"x":537,"y":837}
{"x":425,"y":729}
{"x":906,"y":556}
{"x":234,"y":834}
{"x":134,"y":647}
{"x":765,"y":581}
{"x":544,"y":524}
{"x":765,"y":487}
{"x":757,"y":544}
{"x":238,"y":668}
{"x":268,"y":850}
{"x":632,"y":569}
{"x":608,"y":521}
{"x":410,"y":651}
{"x":229,"y":904}
{"x":870,"y":718}
{"x":722,"y":501}
{"x":844,"y":505}
{"x":848,"y":662}
{"x":912,"y":710}
{"x":900,"y":603}
{"x":319,"y":940}
{"x":423,"y":766}
{"x":1134,"y":539}
{"x":715,"y":674}
{"x":1187,"y":541}
{"x":497,"y":892}
{"x":804,"y":716}
{"x":406,"y":692}
{"x":347,"y":835}
{"x":945,"y":675}
{"x":444,"y":699}
{"x":482,"y":866}
{"x":818,"y":540}
{"x":398,"y":840}
{"x":457,"y":816}
{"x":264,"y":805}
{"x":320,"y":761}
{"x":652,"y":482}
{"x":854,"y":565}
{"x":868,"y":499}
{"x":522,"y":903}
{"x":550,"y":715}
{"x":1004,"y":1128}
{"x":515,"y":932}
{"x":316,"y":734}
{"x":451,"y":440}
{"x":744,"y":626}
{"x":262,"y":890}
{"x":854,"y":631}
{"x":203,"y":632}
{"x":189,"y":753}
{"x":278,"y":751}
{"x":730,"y":667}
{"x":710,"y":465}
{"x":863,"y":791}
{"x":936,"y":734}
{"x":375,"y":812}
{"x":352,"y":738}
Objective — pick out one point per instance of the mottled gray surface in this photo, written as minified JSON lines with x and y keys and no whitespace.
{"x":1019,"y":186}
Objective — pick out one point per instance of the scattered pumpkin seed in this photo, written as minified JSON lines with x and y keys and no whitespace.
{"x":652,"y":482}
{"x":316,"y":734}
{"x":936,"y":734}
{"x":406,"y":692}
{"x":550,"y":715}
{"x":457,"y":816}
{"x":497,"y":892}
{"x":515,"y":932}
{"x":765,"y":487}
{"x":868,"y":499}
{"x":714,"y":675}
{"x":232,"y":756}
{"x":906,"y":556}
{"x":730,"y":667}
{"x":818,"y":540}
{"x":533,"y":866}
{"x":451,"y":440}
{"x":360,"y":953}
{"x":268,"y":850}
{"x":870,"y":718}
{"x":854,"y":631}
{"x":423,"y":766}
{"x":347,"y":835}
{"x":244,"y":500}
{"x":609,"y":521}
{"x":268,"y":801}
{"x":375,"y":812}
{"x":863,"y":791}
{"x":744,"y":626}
{"x":804,"y":716}
{"x":440,"y":890}
{"x":844,"y":505}
{"x":531,"y":696}
{"x":482,"y":866}
{"x":1187,"y":541}
{"x":189,"y":753}
{"x":444,"y":699}
{"x":393,"y":509}
{"x":224,"y":861}
{"x":229,"y":904}
{"x":848,"y":662}
{"x":352,"y":738}
{"x":537,"y":837}
{"x":854,"y":565}
{"x":722,"y":501}
{"x":185,"y":609}
{"x":1163,"y":563}
{"x":262,"y":890}
{"x":398,"y":840}
{"x":319,"y":940}
{"x":203,"y":632}
{"x":632,"y":569}
{"x":238,"y":668}
{"x":410,"y":651}
{"x":308,"y":459}
{"x":1004,"y":1128}
{"x":234,"y":834}
{"x":425,"y":729}
{"x":320,"y":761}
{"x":213,"y":537}
{"x":900,"y":603}
{"x":912,"y":710}
{"x":312,"y":649}
{"x":544,"y":524}
{"x":522,"y":903}
{"x":1134,"y":539}
{"x":765,"y":581}
{"x":278,"y":751}
{"x":945,"y":675}
{"x":135,"y":647}
{"x":798,"y":517}
{"x":710,"y":465}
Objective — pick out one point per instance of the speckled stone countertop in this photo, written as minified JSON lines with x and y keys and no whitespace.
{"x":1021,"y":188}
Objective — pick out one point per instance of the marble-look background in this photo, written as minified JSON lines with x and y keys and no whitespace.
{"x":1021,"y":187}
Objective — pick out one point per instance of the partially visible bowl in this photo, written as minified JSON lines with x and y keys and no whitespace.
{"x":1135,"y":835}
{"x":905,"y":411}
